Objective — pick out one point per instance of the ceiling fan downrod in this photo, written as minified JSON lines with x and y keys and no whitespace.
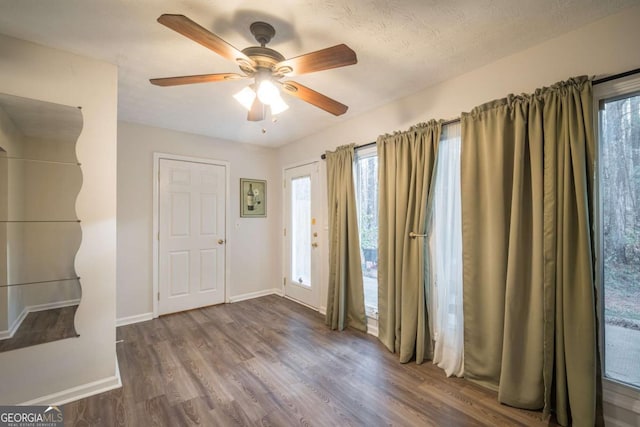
{"x":263,"y":32}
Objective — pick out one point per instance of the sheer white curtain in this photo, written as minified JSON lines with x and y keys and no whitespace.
{"x":445,"y":252}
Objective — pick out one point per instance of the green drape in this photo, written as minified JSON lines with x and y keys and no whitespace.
{"x":529,"y":296}
{"x":345,"y":300}
{"x":405,"y":167}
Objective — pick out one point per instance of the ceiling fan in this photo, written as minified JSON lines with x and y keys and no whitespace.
{"x":266,"y":66}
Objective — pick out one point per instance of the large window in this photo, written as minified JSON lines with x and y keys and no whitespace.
{"x":619,"y":191}
{"x":366,"y":181}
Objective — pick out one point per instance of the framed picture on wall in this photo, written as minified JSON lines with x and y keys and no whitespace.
{"x":253,"y":198}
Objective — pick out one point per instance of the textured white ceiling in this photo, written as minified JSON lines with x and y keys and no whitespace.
{"x":402,"y":47}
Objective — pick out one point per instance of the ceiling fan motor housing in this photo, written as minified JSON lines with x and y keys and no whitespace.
{"x":263,"y":57}
{"x":262,"y":31}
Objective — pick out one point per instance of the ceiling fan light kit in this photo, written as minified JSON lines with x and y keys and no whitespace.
{"x":265,"y":65}
{"x":267,"y":92}
{"x":246,"y":97}
{"x":278,"y":106}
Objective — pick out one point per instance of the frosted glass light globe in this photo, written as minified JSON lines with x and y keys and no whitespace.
{"x":267,"y":92}
{"x":246,"y":97}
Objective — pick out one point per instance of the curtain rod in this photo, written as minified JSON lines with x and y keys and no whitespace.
{"x":457,"y":120}
{"x":369,"y":144}
{"x":616,"y":76}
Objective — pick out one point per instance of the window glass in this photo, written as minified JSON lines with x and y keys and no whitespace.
{"x":301,"y":230}
{"x":620,"y":236}
{"x":366,"y":182}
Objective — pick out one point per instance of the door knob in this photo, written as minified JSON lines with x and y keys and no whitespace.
{"x":314,"y":244}
{"x":221,"y":241}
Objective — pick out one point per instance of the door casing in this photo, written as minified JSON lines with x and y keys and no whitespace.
{"x":156,"y":222}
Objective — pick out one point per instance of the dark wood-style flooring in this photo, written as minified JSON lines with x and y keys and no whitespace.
{"x":272,"y":362}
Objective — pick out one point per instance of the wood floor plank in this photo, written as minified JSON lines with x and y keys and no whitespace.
{"x":196,"y":411}
{"x":272,"y":362}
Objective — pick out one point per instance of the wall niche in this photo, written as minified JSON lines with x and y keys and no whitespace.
{"x":40,"y":233}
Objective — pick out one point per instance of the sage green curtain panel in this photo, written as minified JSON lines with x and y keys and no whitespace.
{"x":345,"y":300}
{"x":405,"y":167}
{"x":529,"y":299}
{"x":502,"y":206}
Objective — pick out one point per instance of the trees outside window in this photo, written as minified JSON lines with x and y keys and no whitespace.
{"x":366,"y":182}
{"x":620,"y":233}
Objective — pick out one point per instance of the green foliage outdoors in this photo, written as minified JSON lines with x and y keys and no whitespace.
{"x":368,"y":224}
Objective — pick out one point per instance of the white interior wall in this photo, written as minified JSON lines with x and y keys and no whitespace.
{"x":12,"y":142}
{"x":4,"y":301}
{"x":252,"y":261}
{"x":608,"y":46}
{"x":67,"y":369}
{"x":15,"y":234}
{"x":4,"y":194}
{"x":47,"y":250}
{"x":53,"y":149}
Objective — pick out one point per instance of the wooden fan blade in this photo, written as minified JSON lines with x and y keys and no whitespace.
{"x":257,"y":111}
{"x":206,"y":38}
{"x":315,"y":98}
{"x":332,"y":57}
{"x":201,"y":78}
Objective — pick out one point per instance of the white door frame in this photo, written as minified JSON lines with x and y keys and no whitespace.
{"x":321,"y":225}
{"x":156,"y":217}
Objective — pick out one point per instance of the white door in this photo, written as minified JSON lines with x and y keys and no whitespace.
{"x":302,"y":228}
{"x":192,"y":235}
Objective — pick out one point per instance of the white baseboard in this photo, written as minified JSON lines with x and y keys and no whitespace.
{"x":6,"y":334}
{"x":301,"y":303}
{"x":122,"y":321}
{"x":257,"y":294}
{"x":81,"y":391}
{"x":9,"y":333}
{"x":52,"y":305}
{"x":128,"y":320}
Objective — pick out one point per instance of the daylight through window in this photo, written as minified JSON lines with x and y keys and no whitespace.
{"x":366,"y":181}
{"x":620,"y":234}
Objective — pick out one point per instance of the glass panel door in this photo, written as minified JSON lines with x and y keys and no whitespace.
{"x":302,"y":227}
